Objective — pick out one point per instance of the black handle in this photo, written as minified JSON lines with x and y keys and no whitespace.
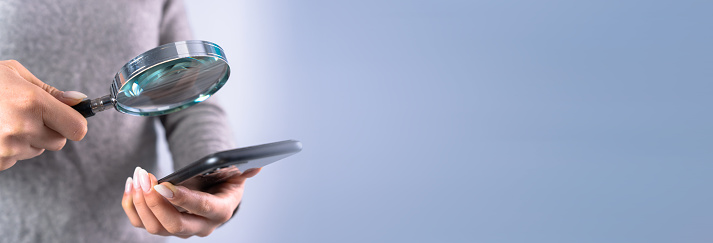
{"x":84,"y":108}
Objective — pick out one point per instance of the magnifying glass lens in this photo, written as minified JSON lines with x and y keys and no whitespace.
{"x":172,"y":85}
{"x":165,"y":79}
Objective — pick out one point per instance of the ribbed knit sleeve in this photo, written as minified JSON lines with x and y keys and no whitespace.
{"x":203,"y":128}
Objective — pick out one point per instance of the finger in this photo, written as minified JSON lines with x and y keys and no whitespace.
{"x":150,"y":222}
{"x":48,"y":139}
{"x":235,"y":186}
{"x":128,"y":204}
{"x":29,"y":152}
{"x":55,"y":114}
{"x":249,"y":173}
{"x":17,"y":148}
{"x":69,"y":97}
{"x":64,"y":119}
{"x":173,"y":221}
{"x":200,"y":203}
{"x":13,"y":149}
{"x":32,"y":132}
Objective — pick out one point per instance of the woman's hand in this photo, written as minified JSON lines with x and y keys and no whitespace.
{"x":34,"y":116}
{"x":151,"y":206}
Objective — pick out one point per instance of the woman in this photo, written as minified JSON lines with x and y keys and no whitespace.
{"x":72,"y":193}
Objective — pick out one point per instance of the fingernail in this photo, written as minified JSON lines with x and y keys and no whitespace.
{"x":144,"y":177}
{"x":75,"y":95}
{"x":127,"y":189}
{"x":136,"y":177}
{"x":249,"y":170}
{"x":163,"y":190}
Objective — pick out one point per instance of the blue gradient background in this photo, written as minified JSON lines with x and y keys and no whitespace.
{"x":471,"y":121}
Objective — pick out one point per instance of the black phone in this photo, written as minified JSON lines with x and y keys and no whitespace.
{"x":218,"y":167}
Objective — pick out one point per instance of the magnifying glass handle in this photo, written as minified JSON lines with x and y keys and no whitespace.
{"x":84,"y":108}
{"x":91,"y":107}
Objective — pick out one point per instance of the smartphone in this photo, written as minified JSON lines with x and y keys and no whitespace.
{"x":218,"y":167}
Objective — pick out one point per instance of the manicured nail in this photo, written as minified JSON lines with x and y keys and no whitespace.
{"x":74,"y":95}
{"x":145,"y":183}
{"x":163,"y":190}
{"x":136,"y":177}
{"x":249,"y":170}
{"x":127,"y":189}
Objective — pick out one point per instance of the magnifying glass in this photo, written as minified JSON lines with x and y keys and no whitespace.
{"x":163,"y":80}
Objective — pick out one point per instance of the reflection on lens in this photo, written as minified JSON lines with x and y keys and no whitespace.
{"x":172,"y":85}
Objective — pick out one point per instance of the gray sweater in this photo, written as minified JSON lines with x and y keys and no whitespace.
{"x":74,"y":195}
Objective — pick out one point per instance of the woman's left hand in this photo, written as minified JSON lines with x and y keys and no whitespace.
{"x":151,"y":206}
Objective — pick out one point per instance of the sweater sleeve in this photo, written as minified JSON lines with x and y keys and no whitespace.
{"x":174,"y":23}
{"x":203,"y":128}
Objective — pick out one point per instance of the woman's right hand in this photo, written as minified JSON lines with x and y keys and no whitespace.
{"x":34,"y":116}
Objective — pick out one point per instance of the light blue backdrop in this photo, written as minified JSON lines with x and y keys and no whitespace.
{"x":471,"y":121}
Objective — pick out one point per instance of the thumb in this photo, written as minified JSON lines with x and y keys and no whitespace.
{"x":69,"y":97}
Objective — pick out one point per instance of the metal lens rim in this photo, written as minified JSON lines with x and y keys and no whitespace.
{"x":162,"y":54}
